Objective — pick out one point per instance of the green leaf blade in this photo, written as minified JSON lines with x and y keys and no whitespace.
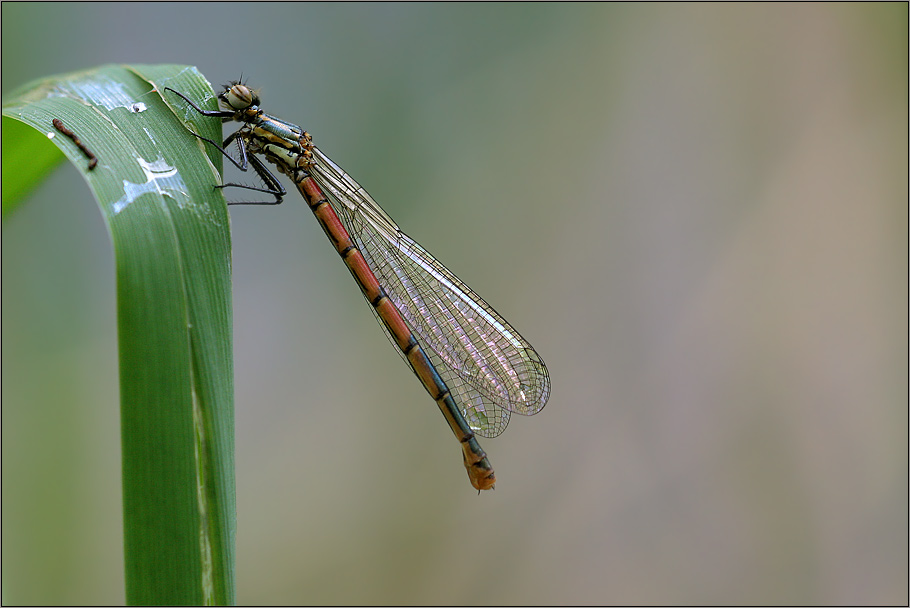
{"x":33,"y":157}
{"x":155,"y":185}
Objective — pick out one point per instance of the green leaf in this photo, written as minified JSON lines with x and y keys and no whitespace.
{"x":32,"y":156}
{"x":155,"y":185}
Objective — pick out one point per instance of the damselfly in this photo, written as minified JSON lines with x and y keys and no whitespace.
{"x":474,"y":364}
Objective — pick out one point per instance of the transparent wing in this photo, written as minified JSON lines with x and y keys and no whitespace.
{"x":489,"y":368}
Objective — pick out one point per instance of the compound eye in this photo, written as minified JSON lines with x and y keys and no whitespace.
{"x":239,"y":96}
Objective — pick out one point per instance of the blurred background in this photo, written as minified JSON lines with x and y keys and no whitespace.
{"x":696,"y":213}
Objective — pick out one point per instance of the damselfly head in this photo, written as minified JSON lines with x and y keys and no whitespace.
{"x":238,"y":96}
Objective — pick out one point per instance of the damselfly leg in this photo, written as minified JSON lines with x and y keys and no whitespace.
{"x":272,"y":186}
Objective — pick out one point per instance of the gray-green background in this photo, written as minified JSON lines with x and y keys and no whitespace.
{"x":696,"y":213}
